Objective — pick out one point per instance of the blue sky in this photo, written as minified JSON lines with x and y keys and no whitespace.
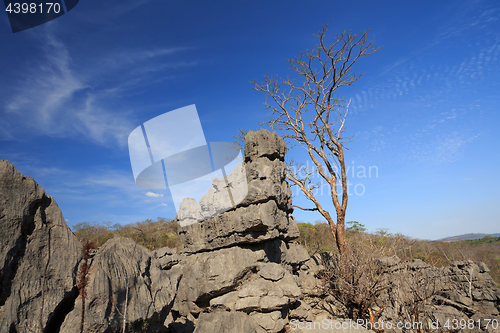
{"x":425,"y":116}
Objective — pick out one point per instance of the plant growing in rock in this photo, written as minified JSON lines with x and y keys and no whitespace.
{"x":311,"y":113}
{"x":83,"y":276}
{"x":354,"y":279}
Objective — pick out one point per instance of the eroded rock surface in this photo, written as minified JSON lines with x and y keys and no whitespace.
{"x":125,"y":278}
{"x":38,"y":255}
{"x":240,"y":271}
{"x":264,"y":214}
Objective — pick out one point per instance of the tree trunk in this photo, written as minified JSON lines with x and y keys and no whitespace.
{"x":340,"y":233}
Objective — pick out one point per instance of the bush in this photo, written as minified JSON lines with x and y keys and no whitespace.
{"x":150,"y":234}
{"x":317,"y":237}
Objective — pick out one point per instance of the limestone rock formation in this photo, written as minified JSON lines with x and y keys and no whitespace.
{"x":241,"y":271}
{"x":264,"y":214}
{"x":125,"y":279}
{"x":224,"y":194}
{"x":463,"y":290}
{"x":38,"y":255}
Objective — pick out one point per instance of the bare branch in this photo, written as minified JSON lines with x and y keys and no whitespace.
{"x":303,"y":113}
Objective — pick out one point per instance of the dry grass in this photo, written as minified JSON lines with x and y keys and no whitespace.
{"x":150,"y":234}
{"x":318,"y":238}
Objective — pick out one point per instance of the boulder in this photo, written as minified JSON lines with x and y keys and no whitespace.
{"x":263,"y":143}
{"x":227,"y":322}
{"x":212,"y":274}
{"x":38,"y":256}
{"x":224,"y":194}
{"x":167,"y":257}
{"x":125,"y":278}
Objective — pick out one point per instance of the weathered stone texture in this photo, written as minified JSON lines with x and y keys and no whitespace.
{"x":264,"y":214}
{"x":36,"y":248}
{"x":240,"y":271}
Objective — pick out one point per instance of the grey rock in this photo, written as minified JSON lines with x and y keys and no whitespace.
{"x":266,"y":181}
{"x":256,"y":288}
{"x":167,"y":257}
{"x":270,"y":303}
{"x":272,"y":271}
{"x":300,"y":310}
{"x":32,"y":231}
{"x":289,"y":286}
{"x":224,"y":194}
{"x":483,"y":268}
{"x":264,"y":212}
{"x":455,"y":296}
{"x":417,"y":264}
{"x":309,"y":270}
{"x":248,"y":304}
{"x":445,"y":312}
{"x":264,"y":144}
{"x":271,"y":322}
{"x":252,"y":224}
{"x":294,"y":254}
{"x":189,"y":212}
{"x":212,"y":274}
{"x":120,"y":264}
{"x":487,"y":307}
{"x":227,"y":322}
{"x":388,"y":261}
{"x":225,"y":302}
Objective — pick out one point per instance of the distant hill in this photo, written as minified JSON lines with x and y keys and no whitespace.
{"x":466,"y":237}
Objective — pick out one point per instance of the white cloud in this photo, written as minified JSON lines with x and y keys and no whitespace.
{"x":54,"y":100}
{"x":154,"y":195}
{"x":63,"y":96}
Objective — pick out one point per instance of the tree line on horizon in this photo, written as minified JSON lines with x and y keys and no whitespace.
{"x":316,"y":238}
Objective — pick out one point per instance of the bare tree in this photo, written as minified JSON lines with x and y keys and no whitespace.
{"x":313,"y":115}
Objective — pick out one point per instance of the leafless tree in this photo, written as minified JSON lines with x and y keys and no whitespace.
{"x":313,"y":115}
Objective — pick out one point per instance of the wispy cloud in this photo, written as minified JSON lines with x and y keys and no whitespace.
{"x":154,"y":195}
{"x":56,"y":101}
{"x":60,"y":98}
{"x":439,"y":148}
{"x":109,"y":186}
{"x":426,"y":75}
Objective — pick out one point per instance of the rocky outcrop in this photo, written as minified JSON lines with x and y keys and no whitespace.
{"x":263,"y":215}
{"x":38,"y":255}
{"x":126,"y":280}
{"x":240,"y":271}
{"x":248,"y":279}
{"x":462,"y":291}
